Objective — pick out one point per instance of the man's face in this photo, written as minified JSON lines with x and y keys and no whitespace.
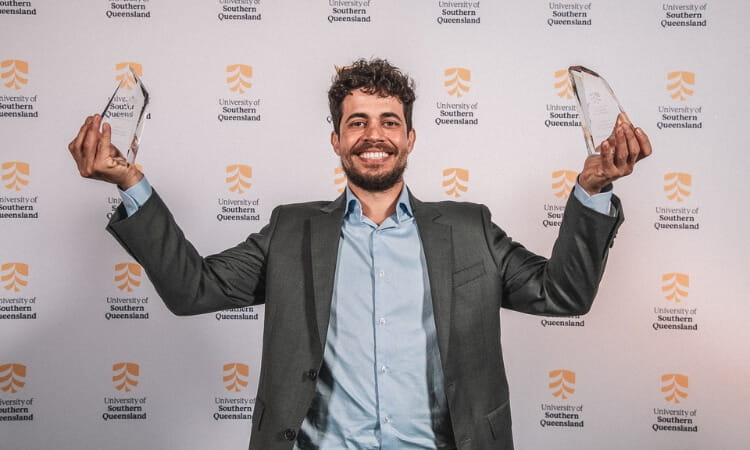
{"x":373,"y":142}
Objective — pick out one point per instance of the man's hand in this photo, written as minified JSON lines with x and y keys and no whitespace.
{"x":97,"y":158}
{"x":617,"y":156}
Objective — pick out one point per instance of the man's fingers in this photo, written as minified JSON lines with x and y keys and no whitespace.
{"x":644,"y":143}
{"x":90,"y":146}
{"x":75,"y":145}
{"x":105,"y":142}
{"x":621,"y":147}
{"x":623,"y":118}
{"x":607,"y":156}
{"x":634,"y":148}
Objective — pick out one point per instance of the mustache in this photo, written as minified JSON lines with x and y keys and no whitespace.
{"x":366,"y":146}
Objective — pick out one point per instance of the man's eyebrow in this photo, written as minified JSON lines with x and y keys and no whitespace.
{"x":390,"y":114}
{"x":357,"y":115}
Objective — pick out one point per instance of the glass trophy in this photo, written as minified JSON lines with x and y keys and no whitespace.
{"x":597,"y":105}
{"x":125,"y":112}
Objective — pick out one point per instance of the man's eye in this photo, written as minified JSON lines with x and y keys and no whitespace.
{"x":390,"y":123}
{"x":358,"y":123}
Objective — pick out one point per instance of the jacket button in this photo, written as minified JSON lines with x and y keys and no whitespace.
{"x":312,"y":374}
{"x":290,"y":434}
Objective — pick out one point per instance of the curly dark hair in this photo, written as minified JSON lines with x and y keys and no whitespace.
{"x":376,"y":76}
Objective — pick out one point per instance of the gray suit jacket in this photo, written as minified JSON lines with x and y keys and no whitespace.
{"x":474,"y":269}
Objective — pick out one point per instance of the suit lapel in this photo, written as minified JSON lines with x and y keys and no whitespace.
{"x":438,"y":251}
{"x":325,"y":231}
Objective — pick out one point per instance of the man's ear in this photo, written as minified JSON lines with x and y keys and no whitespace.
{"x":335,"y":142}
{"x":410,"y":139}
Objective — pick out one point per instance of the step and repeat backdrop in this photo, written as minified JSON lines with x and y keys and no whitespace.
{"x":238,"y":123}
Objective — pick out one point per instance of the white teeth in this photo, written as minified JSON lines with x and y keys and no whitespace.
{"x":373,"y":155}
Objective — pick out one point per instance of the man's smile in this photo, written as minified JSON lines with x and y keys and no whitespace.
{"x":373,"y":155}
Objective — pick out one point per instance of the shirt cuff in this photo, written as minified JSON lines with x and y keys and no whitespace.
{"x":601,"y":202}
{"x":135,"y":196}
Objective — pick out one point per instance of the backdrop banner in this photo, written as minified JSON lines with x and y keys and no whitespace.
{"x":238,"y":123}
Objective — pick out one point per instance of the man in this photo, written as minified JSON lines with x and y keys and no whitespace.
{"x":382,"y":312}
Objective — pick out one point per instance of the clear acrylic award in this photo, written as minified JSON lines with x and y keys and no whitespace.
{"x":125,"y":112}
{"x":597,"y":105}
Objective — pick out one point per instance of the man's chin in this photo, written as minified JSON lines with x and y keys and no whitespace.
{"x":375,"y":183}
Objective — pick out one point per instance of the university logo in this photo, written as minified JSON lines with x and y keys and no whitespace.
{"x":238,"y":77}
{"x":674,"y":386}
{"x":675,"y":286}
{"x":458,"y":81}
{"x":127,"y":276}
{"x":14,"y":276}
{"x":678,"y":185}
{"x":235,"y":376}
{"x":563,"y":88}
{"x":124,"y":76}
{"x":238,"y":178}
{"x":563,"y":182}
{"x":14,"y":73}
{"x":339,"y":179}
{"x":15,"y":175}
{"x":455,"y":181}
{"x":12,"y":377}
{"x":562,"y":383}
{"x":125,"y":376}
{"x":680,"y":85}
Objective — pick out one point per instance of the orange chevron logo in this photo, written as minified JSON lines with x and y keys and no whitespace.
{"x":235,"y":376}
{"x":12,"y":377}
{"x":680,"y":85}
{"x":14,"y":276}
{"x":455,"y":181}
{"x":678,"y":185}
{"x":238,"y":178}
{"x":675,"y":387}
{"x":675,"y":286}
{"x":15,"y":175}
{"x":562,"y":383}
{"x":13,"y":72}
{"x":458,"y":81}
{"x":563,"y":88}
{"x":127,"y":276}
{"x":126,"y":375}
{"x":563,"y":182}
{"x":238,"y":77}
{"x":339,"y":179}
{"x":124,"y":76}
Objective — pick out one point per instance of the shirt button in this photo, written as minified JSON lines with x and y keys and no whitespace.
{"x":383,"y":369}
{"x":382,"y":321}
{"x":387,"y":419}
{"x":290,"y":434}
{"x":381,"y":274}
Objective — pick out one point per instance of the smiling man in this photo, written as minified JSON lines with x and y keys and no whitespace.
{"x":382,"y":327}
{"x":375,"y":140}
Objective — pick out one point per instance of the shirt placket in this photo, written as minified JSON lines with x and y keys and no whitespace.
{"x":381,"y":323}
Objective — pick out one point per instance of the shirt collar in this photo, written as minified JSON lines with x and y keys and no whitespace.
{"x":403,"y":206}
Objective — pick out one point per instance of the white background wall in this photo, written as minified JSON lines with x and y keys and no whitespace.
{"x":69,"y":348}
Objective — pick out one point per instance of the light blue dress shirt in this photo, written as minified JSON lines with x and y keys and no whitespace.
{"x":381,"y":384}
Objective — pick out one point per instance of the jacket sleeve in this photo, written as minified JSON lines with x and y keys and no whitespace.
{"x":567,"y":282}
{"x":187,"y":282}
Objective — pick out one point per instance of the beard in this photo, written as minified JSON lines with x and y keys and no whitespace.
{"x":373,"y":183}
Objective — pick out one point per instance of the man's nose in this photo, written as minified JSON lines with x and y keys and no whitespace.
{"x":374,"y":132}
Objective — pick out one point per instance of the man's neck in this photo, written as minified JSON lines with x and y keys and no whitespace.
{"x":380,"y":205}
